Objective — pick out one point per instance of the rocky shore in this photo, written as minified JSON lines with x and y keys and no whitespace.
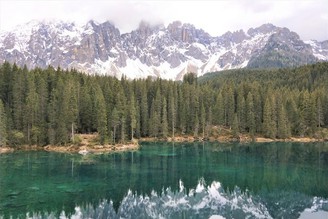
{"x":86,"y":146}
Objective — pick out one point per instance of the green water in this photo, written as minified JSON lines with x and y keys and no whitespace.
{"x":194,"y":180}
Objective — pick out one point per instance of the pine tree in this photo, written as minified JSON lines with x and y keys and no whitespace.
{"x":132,"y":116}
{"x":101,"y":116}
{"x":235,"y":127}
{"x":172,"y":113}
{"x":51,"y":113}
{"x":138,"y":124}
{"x":196,"y":126}
{"x":41,"y":120}
{"x":123,"y":132}
{"x":203,"y":119}
{"x":8,"y":82}
{"x":154,"y":121}
{"x":209,"y":121}
{"x":85,"y":109}
{"x":282,"y":122}
{"x":229,"y":104}
{"x":293,"y":114}
{"x":250,"y":117}
{"x":257,"y":103}
{"x":3,"y":125}
{"x":182,"y":112}
{"x":268,"y":124}
{"x":312,"y":115}
{"x":241,"y":115}
{"x":319,"y":111}
{"x":144,"y":116}
{"x":304,"y":108}
{"x":164,"y":125}
{"x":30,"y":113}
{"x":120,"y":104}
{"x":115,"y":121}
{"x":219,"y":110}
{"x":18,"y":97}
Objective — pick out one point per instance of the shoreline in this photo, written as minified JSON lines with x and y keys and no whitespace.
{"x":230,"y":139}
{"x":132,"y":146}
{"x":84,"y":149}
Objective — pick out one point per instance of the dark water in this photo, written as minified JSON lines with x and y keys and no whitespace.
{"x":211,"y":180}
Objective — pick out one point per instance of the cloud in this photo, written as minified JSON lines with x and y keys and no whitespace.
{"x":307,"y":18}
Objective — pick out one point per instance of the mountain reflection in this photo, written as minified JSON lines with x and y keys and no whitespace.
{"x":201,"y":202}
{"x":270,"y":178}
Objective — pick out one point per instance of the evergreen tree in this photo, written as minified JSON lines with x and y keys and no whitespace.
{"x":196,"y":126}
{"x":268,"y":123}
{"x":257,"y":104}
{"x":241,"y":115}
{"x":293,"y":115}
{"x":154,"y":121}
{"x":219,"y":110}
{"x":203,"y":120}
{"x":229,"y":104}
{"x":164,"y":125}
{"x":235,"y":127}
{"x":144,"y":112}
{"x":8,"y":72}
{"x":282,"y":121}
{"x":138,"y":120}
{"x":115,"y":121}
{"x":312,"y":115}
{"x":62,"y":126}
{"x":123,"y":131}
{"x":190,"y":78}
{"x":172,"y":112}
{"x":209,"y":121}
{"x":181,"y":112}
{"x":3,"y":125}
{"x":41,"y":120}
{"x":319,"y":111}
{"x":250,"y":117}
{"x":304,"y":108}
{"x":101,"y":116}
{"x":30,"y":113}
{"x":85,"y":109}
{"x":51,"y":112}
{"x":132,"y":116}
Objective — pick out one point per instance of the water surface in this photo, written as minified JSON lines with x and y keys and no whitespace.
{"x":194,"y":180}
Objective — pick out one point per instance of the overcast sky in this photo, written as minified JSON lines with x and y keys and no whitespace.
{"x":309,"y":18}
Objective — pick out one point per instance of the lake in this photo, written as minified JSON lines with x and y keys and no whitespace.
{"x":166,"y":180}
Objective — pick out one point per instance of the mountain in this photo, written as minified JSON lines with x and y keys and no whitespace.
{"x":156,"y":51}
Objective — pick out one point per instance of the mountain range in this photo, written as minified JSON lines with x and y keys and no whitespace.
{"x":168,"y":52}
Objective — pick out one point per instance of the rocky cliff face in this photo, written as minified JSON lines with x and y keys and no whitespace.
{"x":156,"y":51}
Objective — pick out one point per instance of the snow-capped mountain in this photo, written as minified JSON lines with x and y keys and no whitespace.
{"x":157,"y":51}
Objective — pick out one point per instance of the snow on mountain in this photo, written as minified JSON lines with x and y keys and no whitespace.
{"x":320,"y":49}
{"x":156,"y":51}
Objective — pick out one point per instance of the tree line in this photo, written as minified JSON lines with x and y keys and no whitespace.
{"x":49,"y":106}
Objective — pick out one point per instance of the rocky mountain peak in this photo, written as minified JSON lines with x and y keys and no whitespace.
{"x":154,"y":50}
{"x":234,"y":37}
{"x":263,"y":29}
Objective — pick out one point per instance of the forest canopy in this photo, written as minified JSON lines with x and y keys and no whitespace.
{"x":48,"y":106}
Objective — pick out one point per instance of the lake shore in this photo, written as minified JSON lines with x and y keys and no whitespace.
{"x":88,"y":143}
{"x":229,"y":139}
{"x":75,"y":148}
{"x":87,"y":146}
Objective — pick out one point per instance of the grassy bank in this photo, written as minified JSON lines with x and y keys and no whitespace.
{"x":89,"y":143}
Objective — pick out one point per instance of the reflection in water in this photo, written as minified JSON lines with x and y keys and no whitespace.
{"x":201,"y":202}
{"x":253,"y":180}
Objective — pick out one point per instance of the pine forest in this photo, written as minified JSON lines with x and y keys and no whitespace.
{"x":50,"y":106}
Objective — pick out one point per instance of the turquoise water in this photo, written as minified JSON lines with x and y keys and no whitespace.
{"x":161,"y":180}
